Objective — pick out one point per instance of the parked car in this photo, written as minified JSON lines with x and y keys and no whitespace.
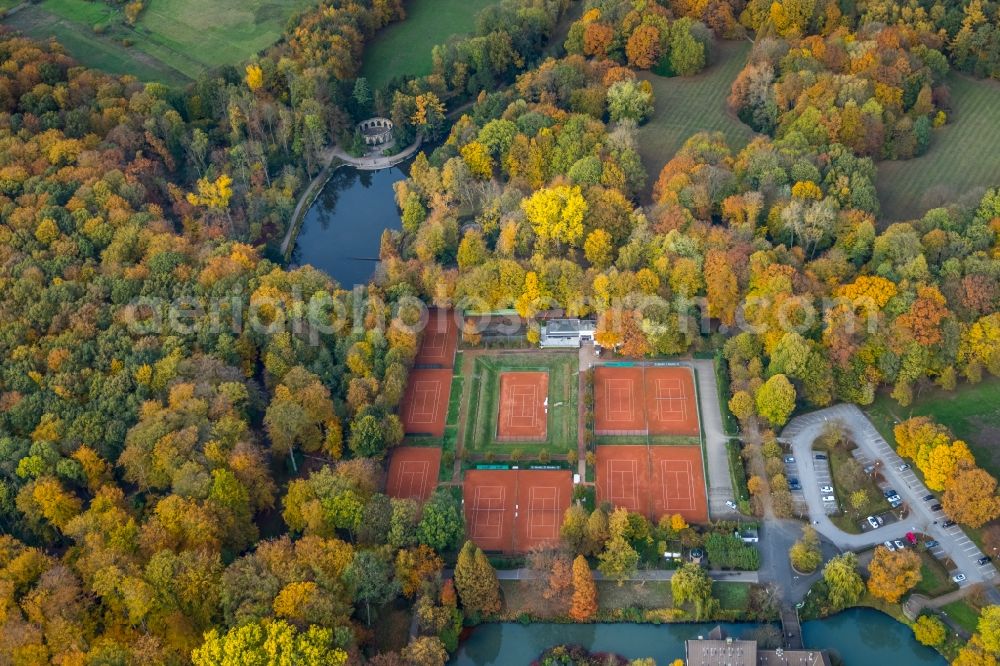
{"x":948,"y":523}
{"x":869,"y":469}
{"x":958,"y":578}
{"x":903,"y":467}
{"x":928,"y":497}
{"x":873,"y":522}
{"x":985,"y":559}
{"x":789,"y":459}
{"x":899,"y":544}
{"x":820,"y":456}
{"x":829,"y":498}
{"x":826,"y":489}
{"x":912,"y":538}
{"x":731,"y":504}
{"x":933,"y":543}
{"x":894,"y":498}
{"x":794,"y":484}
{"x":896,"y":503}
{"x":935,"y":507}
{"x":888,"y":545}
{"x":889,"y":492}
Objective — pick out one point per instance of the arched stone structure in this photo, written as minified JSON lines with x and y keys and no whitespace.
{"x":376,"y":132}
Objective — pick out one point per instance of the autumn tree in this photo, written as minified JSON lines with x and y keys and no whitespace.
{"x":643,"y":47}
{"x":269,"y":641}
{"x":928,"y":630}
{"x":843,"y":582}
{"x":687,"y":52}
{"x":425,"y":651}
{"x":805,"y":553}
{"x":776,"y":400}
{"x":971,"y":497}
{"x":301,"y":414}
{"x":476,"y":581}
{"x":556,"y":214}
{"x":619,"y":559}
{"x":691,"y":584}
{"x":584,"y":604}
{"x":441,"y":525}
{"x":892,"y":574}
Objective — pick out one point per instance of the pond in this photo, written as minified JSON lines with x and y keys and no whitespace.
{"x":340,"y":234}
{"x":862,"y":637}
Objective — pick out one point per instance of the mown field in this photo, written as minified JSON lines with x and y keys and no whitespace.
{"x":483,"y":408}
{"x":963,"y":160}
{"x":404,"y":48}
{"x":971,"y":411}
{"x":174,"y":41}
{"x":687,"y":105}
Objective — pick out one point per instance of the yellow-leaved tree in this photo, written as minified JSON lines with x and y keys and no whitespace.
{"x":556,"y":214}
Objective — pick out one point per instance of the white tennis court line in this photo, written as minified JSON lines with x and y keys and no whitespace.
{"x":678,"y":404}
{"x":434,"y":342}
{"x":405,"y":475}
{"x":687,"y":474}
{"x":543,"y":502}
{"x":421,"y":390}
{"x":494,"y":497}
{"x":616,"y":388}
{"x":626,"y":467}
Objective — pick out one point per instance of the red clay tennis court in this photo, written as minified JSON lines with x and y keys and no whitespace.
{"x":670,"y":401}
{"x":413,"y":472}
{"x":623,"y":477}
{"x":425,"y":402}
{"x":644,"y":400}
{"x":678,"y":482}
{"x":618,"y":401}
{"x":489,"y":497}
{"x":653,"y":480}
{"x":523,"y":410}
{"x":515,"y":510}
{"x":440,"y":337}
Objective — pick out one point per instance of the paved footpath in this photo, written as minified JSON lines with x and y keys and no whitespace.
{"x":646,"y":575}
{"x":802,"y":431}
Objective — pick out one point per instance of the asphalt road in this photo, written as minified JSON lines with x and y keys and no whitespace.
{"x":720,"y":483}
{"x":802,"y":431}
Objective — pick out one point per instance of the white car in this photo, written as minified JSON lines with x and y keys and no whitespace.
{"x":958,"y":578}
{"x":829,"y":498}
{"x":826,"y":489}
{"x":903,"y":467}
{"x":731,"y":504}
{"x":888,"y":545}
{"x":873,"y":522}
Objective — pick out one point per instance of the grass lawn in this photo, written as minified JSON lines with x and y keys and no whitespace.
{"x":963,"y":614}
{"x":687,"y":105}
{"x":404,"y":48}
{"x":963,"y":160}
{"x":483,"y":407}
{"x":971,"y":411}
{"x":935,"y":580}
{"x":732,"y":596}
{"x":174,"y":41}
{"x":633,"y":594}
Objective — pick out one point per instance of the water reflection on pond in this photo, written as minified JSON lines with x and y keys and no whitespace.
{"x":341,"y":232}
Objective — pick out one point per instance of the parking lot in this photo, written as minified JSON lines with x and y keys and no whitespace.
{"x":954,"y":546}
{"x":821,"y":469}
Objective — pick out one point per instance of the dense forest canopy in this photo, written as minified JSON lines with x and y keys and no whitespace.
{"x":192,"y":435}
